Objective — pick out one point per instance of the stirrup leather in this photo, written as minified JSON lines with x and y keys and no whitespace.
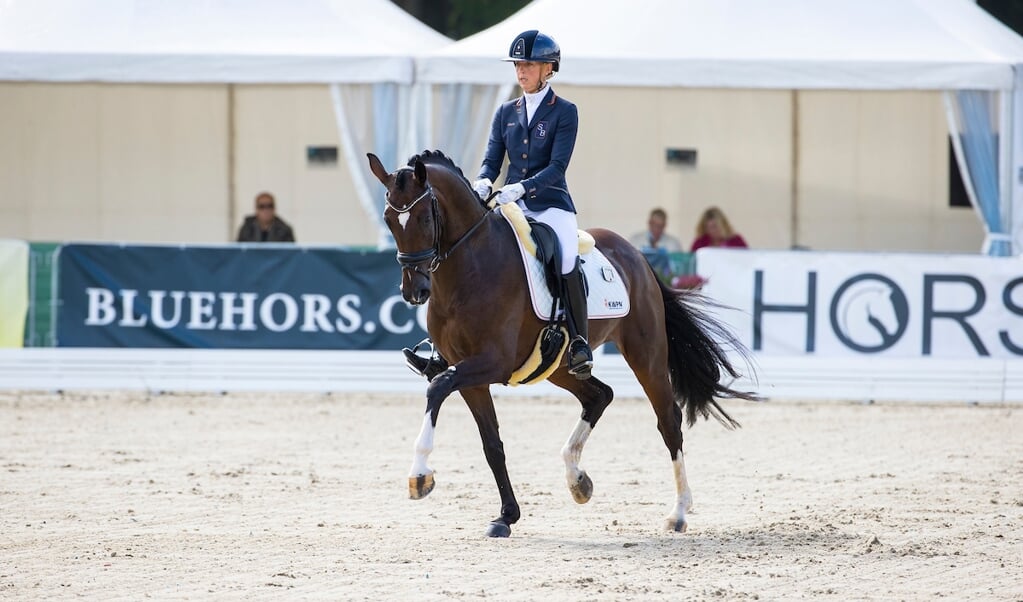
{"x":580,"y":357}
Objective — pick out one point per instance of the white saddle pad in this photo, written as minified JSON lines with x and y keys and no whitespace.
{"x":607,"y":296}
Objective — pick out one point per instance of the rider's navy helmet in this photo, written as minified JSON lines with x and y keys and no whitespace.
{"x":535,"y":46}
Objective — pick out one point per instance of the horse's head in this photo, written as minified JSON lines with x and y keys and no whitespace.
{"x":412,"y":215}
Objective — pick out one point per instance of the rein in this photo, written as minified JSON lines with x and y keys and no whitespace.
{"x":411,"y":261}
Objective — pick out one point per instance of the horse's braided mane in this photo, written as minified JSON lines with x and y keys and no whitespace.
{"x":436,"y":157}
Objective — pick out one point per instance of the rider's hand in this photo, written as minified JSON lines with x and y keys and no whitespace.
{"x":511,"y":193}
{"x":482,"y":188}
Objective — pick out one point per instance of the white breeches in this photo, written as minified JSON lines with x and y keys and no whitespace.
{"x":565,"y":226}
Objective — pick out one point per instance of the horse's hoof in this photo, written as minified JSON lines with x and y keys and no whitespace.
{"x":420,"y":487}
{"x":678,"y":525}
{"x":498,"y":529}
{"x":582,"y":489}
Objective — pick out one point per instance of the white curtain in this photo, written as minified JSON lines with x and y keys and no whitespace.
{"x":370,"y":118}
{"x":395,"y":121}
{"x":461,"y":118}
{"x":978,"y":122}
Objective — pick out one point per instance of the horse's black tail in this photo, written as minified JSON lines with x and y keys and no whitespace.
{"x":696,"y":357}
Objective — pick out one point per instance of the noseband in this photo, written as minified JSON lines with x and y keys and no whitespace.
{"x":413,"y":261}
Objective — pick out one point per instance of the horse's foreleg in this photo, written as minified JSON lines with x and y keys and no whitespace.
{"x":420,"y":480}
{"x":481,"y":404}
{"x":594,"y":396}
{"x":472,"y":376}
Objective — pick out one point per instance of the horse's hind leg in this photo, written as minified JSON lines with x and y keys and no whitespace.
{"x":481,"y":404}
{"x":649,"y":362}
{"x":595,"y":396}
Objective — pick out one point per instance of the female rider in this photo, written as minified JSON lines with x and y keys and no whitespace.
{"x":537,"y":132}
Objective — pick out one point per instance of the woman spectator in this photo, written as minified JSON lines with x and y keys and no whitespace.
{"x":713,"y":230}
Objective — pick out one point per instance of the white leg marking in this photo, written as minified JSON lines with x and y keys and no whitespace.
{"x":424,"y":445}
{"x":573,"y":451}
{"x":683,"y":495}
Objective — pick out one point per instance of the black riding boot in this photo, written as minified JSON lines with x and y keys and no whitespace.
{"x":429,"y":367}
{"x":580,"y":358}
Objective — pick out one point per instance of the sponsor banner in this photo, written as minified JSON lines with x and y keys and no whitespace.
{"x":232,"y":297}
{"x":13,"y":292}
{"x":869,"y":304}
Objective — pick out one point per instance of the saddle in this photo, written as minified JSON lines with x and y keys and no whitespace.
{"x":605,"y":289}
{"x":541,"y":254}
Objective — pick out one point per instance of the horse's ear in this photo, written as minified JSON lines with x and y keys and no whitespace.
{"x":420,"y":172}
{"x":377,"y":168}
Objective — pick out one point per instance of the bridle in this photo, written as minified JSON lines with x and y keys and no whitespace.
{"x":413,"y":261}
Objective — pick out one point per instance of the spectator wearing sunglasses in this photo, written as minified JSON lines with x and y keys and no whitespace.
{"x":265,"y":226}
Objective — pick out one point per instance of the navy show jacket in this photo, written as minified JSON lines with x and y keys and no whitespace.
{"x":538,"y":152}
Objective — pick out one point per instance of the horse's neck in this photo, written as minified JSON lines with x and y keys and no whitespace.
{"x":485,"y":253}
{"x":460,"y":214}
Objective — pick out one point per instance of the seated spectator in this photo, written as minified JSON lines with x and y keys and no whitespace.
{"x":265,"y":226}
{"x":656,"y":245}
{"x":654,"y":237}
{"x":713,"y":230}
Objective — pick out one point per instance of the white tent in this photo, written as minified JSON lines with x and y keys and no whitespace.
{"x":363,"y":49}
{"x":794,"y":44}
{"x":190,"y":41}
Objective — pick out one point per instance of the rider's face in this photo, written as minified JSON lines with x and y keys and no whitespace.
{"x":531,"y":74}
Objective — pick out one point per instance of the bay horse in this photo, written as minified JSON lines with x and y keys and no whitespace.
{"x":465,"y":260}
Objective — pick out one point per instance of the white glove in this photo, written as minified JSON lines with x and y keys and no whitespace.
{"x":511,"y":193}
{"x":482,"y":188}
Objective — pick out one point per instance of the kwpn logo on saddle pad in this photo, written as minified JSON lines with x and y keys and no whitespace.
{"x":613,"y":304}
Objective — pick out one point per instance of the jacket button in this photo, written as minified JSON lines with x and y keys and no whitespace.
{"x":523,"y":170}
{"x":525,"y":156}
{"x":526,"y":141}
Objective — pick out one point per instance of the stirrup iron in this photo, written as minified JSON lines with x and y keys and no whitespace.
{"x":580,"y":358}
{"x":426,"y":366}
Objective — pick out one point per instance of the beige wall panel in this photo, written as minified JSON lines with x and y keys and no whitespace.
{"x":149,"y":163}
{"x":619,"y":171}
{"x":164,"y":163}
{"x":49,"y":161}
{"x":274,"y":125}
{"x":873,"y":174}
{"x":113,"y":162}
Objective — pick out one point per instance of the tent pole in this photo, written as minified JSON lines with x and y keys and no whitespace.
{"x":232,"y":216}
{"x":794,"y":176}
{"x":1013,"y":133}
{"x":1005,"y":160}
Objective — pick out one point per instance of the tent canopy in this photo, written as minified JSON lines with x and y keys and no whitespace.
{"x":199,"y":41}
{"x":782,"y":44}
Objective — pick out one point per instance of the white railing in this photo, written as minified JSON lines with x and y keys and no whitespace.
{"x":856,"y":379}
